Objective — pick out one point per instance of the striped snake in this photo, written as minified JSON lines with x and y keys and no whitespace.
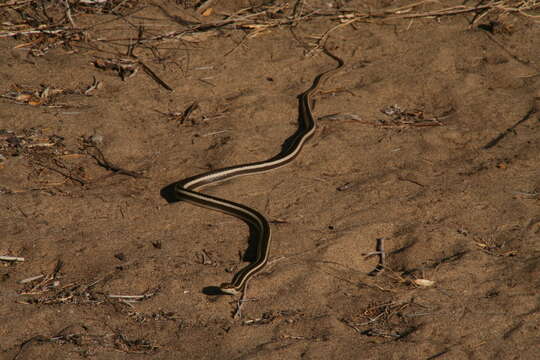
{"x":187,"y":189}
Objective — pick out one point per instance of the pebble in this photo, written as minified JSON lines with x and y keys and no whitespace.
{"x":97,"y":139}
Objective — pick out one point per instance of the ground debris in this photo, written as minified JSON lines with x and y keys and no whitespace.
{"x":81,"y":337}
{"x":46,"y":95}
{"x":392,"y":320}
{"x":30,"y":142}
{"x":402,"y":118}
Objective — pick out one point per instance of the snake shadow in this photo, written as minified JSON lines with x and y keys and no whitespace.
{"x":249,"y":255}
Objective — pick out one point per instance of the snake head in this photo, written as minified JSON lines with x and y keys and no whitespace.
{"x":230,"y":289}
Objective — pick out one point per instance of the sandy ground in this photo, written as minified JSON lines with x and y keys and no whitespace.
{"x":428,"y":138}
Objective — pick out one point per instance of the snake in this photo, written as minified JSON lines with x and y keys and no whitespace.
{"x":189,"y":189}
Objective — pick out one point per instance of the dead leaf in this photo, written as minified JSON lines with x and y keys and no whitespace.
{"x":199,"y":36}
{"x":23,"y":97}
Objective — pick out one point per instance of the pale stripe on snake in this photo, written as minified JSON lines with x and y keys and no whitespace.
{"x":186,"y":189}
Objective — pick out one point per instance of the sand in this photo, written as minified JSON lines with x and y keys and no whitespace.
{"x":428,"y":138}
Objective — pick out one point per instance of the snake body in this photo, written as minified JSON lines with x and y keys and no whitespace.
{"x":187,"y":189}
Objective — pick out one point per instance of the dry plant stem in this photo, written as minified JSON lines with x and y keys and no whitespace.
{"x":514,"y":56}
{"x":41,"y":286}
{"x":204,"y":5}
{"x":240,"y":304}
{"x":189,"y":110}
{"x":455,"y":10}
{"x":382,"y":254}
{"x":103,"y":162}
{"x":250,"y":21}
{"x":411,"y":6}
{"x":29,"y":32}
{"x":30,"y":279}
{"x":11,"y":258}
{"x":324,"y":37}
{"x":127,"y":296}
{"x":298,"y":9}
{"x":134,"y":298}
{"x":16,"y":3}
{"x":68,"y":176}
{"x":236,"y":21}
{"x":242,"y":42}
{"x":156,"y":78}
{"x":379,"y":250}
{"x":68,"y":13}
{"x":502,"y":135}
{"x":398,"y":13}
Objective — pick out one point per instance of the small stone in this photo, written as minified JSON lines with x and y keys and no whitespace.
{"x":97,"y":139}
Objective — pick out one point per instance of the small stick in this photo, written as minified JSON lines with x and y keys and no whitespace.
{"x":298,"y":9}
{"x":137,"y":297}
{"x":523,"y":193}
{"x":239,"y":306}
{"x":68,"y":13}
{"x":382,"y":254}
{"x":71,"y":177}
{"x":153,"y":75}
{"x":236,"y":47}
{"x":509,"y":130}
{"x":100,"y":158}
{"x":214,"y":133}
{"x":204,"y":5}
{"x":29,"y":32}
{"x":30,"y":279}
{"x":11,"y":258}
{"x":187,"y":113}
{"x":16,"y":3}
{"x":379,"y":250}
{"x":240,"y":303}
{"x":509,"y":52}
{"x":118,"y":6}
{"x":133,"y":298}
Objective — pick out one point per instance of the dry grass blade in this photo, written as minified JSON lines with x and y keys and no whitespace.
{"x":524,"y":8}
{"x":55,"y":25}
{"x":80,"y":337}
{"x":11,"y":258}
